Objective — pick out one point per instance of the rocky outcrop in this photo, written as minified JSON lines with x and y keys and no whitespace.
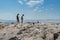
{"x":38,"y":31}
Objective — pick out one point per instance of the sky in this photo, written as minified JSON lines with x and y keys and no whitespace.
{"x":32,"y":9}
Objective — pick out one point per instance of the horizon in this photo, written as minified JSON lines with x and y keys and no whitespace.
{"x":40,"y":20}
{"x":32,"y":9}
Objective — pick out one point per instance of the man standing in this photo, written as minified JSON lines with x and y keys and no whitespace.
{"x":17,"y":18}
{"x":22,"y":19}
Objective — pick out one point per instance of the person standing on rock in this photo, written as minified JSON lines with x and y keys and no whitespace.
{"x":22,"y":19}
{"x":17,"y":18}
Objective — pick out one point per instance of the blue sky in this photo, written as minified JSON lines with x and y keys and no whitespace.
{"x":32,"y":9}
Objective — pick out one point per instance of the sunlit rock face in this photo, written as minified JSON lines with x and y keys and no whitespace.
{"x":30,"y":31}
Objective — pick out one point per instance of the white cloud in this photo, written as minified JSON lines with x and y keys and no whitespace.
{"x":31,"y":3}
{"x":20,"y":1}
{"x":35,"y":2}
{"x":36,"y":9}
